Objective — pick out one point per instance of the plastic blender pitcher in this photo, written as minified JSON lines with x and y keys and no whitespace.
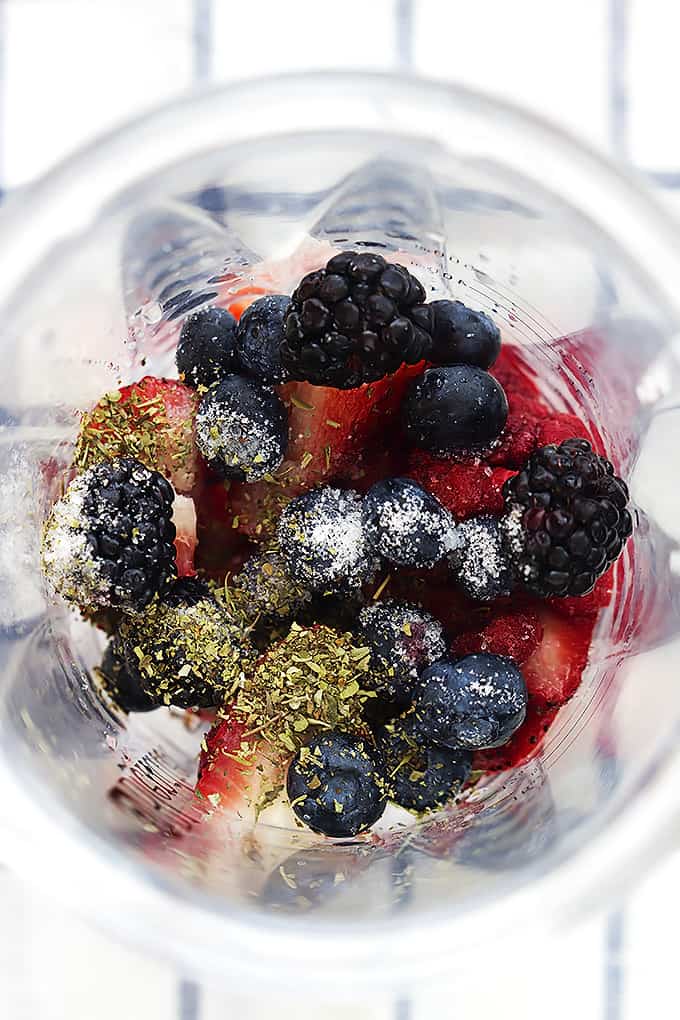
{"x":249,"y":187}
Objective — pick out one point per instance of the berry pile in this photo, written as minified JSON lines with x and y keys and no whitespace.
{"x":354,"y":532}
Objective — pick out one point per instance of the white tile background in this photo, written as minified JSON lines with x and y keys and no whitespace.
{"x":608,"y":70}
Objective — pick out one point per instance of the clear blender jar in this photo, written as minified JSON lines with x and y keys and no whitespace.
{"x":258,"y":182}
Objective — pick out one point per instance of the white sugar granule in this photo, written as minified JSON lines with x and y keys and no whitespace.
{"x":247,"y":443}
{"x":67,"y":560}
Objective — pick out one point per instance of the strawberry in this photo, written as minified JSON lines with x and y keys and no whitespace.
{"x":184,"y":519}
{"x":517,"y":441}
{"x":467,"y":490}
{"x":554,"y":671}
{"x":516,"y":635}
{"x":233,"y":771}
{"x":151,"y":420}
{"x":222,"y":549}
{"x":558,"y":427}
{"x":522,"y":747}
{"x":333,"y":434}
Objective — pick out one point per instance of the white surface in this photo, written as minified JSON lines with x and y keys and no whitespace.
{"x":72,"y":68}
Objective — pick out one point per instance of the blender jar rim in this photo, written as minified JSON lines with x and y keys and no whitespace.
{"x":69,"y":197}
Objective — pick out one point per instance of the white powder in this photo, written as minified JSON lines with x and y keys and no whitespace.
{"x":226,"y":433}
{"x":322,"y":538}
{"x":68,"y":563}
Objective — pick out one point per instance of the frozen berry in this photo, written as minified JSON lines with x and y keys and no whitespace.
{"x":466,"y":490}
{"x":334,"y":785}
{"x":479,"y":559}
{"x":123,"y":687}
{"x":322,"y":540}
{"x":477,"y":702}
{"x":185,"y":649}
{"x":259,"y":336}
{"x":455,"y":409}
{"x":405,"y":524}
{"x":108,"y":542}
{"x":567,"y":519}
{"x":420,"y":777}
{"x":516,"y":635}
{"x":205,"y":352}
{"x":355,"y":321}
{"x":462,"y":336}
{"x":403,"y":640}
{"x":242,"y":429}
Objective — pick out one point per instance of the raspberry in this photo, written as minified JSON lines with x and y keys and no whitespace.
{"x":467,"y":490}
{"x":516,"y":635}
{"x":355,"y":321}
{"x":517,"y":441}
{"x":558,"y":427}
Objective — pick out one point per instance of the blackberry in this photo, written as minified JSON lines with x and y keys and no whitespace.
{"x":567,"y":519}
{"x":335,"y":785}
{"x":420,"y":777}
{"x":108,"y":542}
{"x":205,"y":352}
{"x":355,"y":321}
{"x":242,"y":429}
{"x":185,"y":649}
{"x":123,"y":687}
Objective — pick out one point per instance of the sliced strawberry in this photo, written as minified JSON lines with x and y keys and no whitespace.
{"x":233,"y":770}
{"x":151,"y":420}
{"x":184,"y":519}
{"x":516,"y":635}
{"x":222,"y":548}
{"x":333,"y":434}
{"x":522,"y":747}
{"x":558,"y":427}
{"x":554,"y":671}
{"x":467,"y":490}
{"x":242,"y":299}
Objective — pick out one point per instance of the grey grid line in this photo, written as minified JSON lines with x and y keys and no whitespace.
{"x":618,"y":77}
{"x":188,"y":1000}
{"x":614,"y":987}
{"x":3,"y":93}
{"x":403,"y":31}
{"x":203,"y":17}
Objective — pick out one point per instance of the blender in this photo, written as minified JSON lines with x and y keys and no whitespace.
{"x":206,"y":199}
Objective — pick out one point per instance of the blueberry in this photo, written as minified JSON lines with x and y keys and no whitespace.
{"x":475,"y":703}
{"x":455,"y":408}
{"x":463,"y":337}
{"x":420,"y":777}
{"x":322,"y":540}
{"x":205,"y":352}
{"x":334,"y":785}
{"x":259,"y":336}
{"x":405,"y":524}
{"x":123,"y":687}
{"x":242,"y":429}
{"x":404,"y":639}
{"x":479,"y":559}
